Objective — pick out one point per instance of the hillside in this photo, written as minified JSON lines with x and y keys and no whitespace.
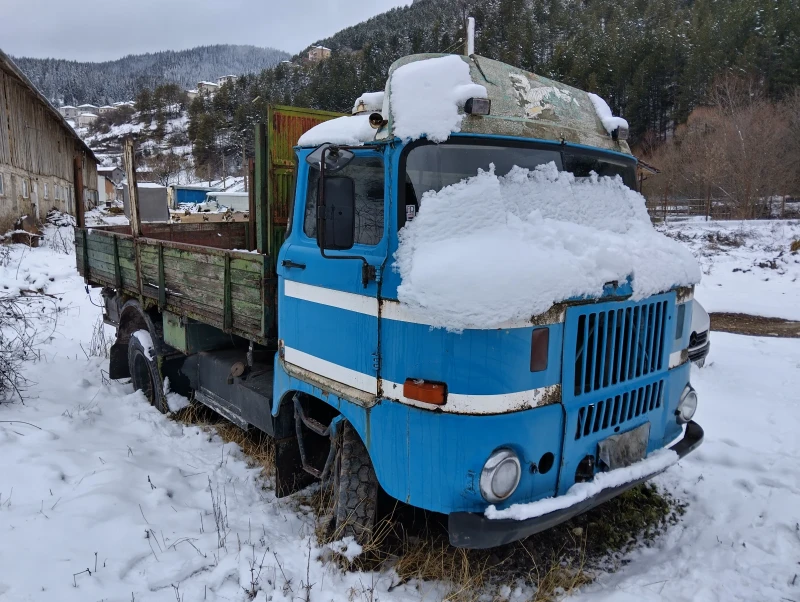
{"x":71,"y":82}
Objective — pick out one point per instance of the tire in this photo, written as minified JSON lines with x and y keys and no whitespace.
{"x":144,"y":372}
{"x":355,"y":488}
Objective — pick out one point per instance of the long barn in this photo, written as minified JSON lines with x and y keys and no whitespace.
{"x":43,"y":163}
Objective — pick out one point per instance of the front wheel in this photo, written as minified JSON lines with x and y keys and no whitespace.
{"x":143,"y":366}
{"x":355,"y":488}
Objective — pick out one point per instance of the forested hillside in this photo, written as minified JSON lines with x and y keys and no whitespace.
{"x":653,"y":60}
{"x":71,"y":82}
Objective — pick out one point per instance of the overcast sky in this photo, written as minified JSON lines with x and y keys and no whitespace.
{"x":108,"y":29}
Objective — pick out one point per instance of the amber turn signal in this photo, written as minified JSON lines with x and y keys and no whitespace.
{"x":425,"y":391}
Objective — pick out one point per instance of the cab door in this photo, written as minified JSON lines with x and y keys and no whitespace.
{"x":328,"y":318}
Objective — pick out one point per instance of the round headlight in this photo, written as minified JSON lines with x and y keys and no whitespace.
{"x":687,"y":406}
{"x":500,"y":475}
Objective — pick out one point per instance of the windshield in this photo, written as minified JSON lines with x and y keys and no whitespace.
{"x":434,"y":166}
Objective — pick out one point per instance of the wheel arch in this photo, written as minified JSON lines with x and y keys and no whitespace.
{"x":133,"y":317}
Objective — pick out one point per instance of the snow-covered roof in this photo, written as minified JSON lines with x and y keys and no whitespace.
{"x":321,"y":47}
{"x":207,"y":84}
{"x":106,"y":107}
{"x":87,"y":106}
{"x":67,"y":107}
{"x":352,"y":130}
{"x":108,"y":168}
{"x":88,"y":115}
{"x":229,"y":194}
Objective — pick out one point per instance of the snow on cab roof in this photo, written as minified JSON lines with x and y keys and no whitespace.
{"x":425,"y":96}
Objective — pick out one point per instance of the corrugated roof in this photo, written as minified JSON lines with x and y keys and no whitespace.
{"x":7,"y":63}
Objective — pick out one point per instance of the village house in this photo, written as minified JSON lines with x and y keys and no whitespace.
{"x":86,"y":119}
{"x":68,"y":111}
{"x":41,"y":156}
{"x":318,"y":53}
{"x":207,"y":88}
{"x":226,"y":79}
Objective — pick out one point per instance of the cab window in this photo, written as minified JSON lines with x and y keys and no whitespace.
{"x":367,"y":173}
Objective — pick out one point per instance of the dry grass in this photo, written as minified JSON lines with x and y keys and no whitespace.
{"x":795,"y":246}
{"x":414,"y":544}
{"x":258,"y":447}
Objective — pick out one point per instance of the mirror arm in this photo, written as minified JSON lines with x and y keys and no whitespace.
{"x":368,"y":271}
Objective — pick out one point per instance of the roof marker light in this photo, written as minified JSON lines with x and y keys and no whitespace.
{"x":477,"y":106}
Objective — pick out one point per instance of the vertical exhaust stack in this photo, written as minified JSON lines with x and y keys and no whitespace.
{"x":470,"y":36}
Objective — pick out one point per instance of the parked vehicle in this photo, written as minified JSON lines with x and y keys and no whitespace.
{"x":700,"y":338}
{"x":304,"y":337}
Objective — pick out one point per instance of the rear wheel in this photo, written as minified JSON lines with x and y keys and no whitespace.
{"x":143,"y":366}
{"x":355,"y":488}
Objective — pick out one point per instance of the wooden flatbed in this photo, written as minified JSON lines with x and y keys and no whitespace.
{"x":202,"y":271}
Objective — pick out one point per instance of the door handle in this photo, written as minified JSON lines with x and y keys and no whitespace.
{"x":288,"y":263}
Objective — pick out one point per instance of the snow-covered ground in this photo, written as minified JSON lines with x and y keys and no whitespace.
{"x":103,"y":498}
{"x":747,"y":265}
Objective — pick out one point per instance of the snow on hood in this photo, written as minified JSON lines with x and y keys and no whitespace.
{"x":426,"y":96}
{"x":492,"y":250}
{"x":603,"y":111}
{"x":352,"y":131}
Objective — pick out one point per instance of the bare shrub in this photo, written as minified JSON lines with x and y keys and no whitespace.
{"x":26,"y":320}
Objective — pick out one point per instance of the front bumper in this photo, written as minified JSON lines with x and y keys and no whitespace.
{"x":472,"y":530}
{"x":698,"y":354}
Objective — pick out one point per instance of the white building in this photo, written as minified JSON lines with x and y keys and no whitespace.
{"x":106,"y":109}
{"x":207,"y":88}
{"x":68,"y":111}
{"x":226,"y":79}
{"x":85,"y":119}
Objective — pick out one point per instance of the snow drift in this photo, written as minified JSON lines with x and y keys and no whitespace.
{"x":490,"y":250}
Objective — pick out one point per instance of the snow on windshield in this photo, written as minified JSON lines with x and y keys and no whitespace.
{"x":426,"y":96}
{"x":489,"y":249}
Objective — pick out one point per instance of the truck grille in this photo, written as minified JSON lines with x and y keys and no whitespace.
{"x":613,"y":346}
{"x":617,"y":410}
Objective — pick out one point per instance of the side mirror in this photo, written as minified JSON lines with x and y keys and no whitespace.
{"x":335,"y":158}
{"x":336,"y":214}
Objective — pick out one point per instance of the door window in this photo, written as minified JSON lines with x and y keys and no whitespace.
{"x":367,"y":173}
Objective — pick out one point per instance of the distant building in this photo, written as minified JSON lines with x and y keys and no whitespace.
{"x":207,"y":88}
{"x":37,"y":171}
{"x":318,"y":53}
{"x":86,"y":119}
{"x":192,"y":94}
{"x":106,"y":109}
{"x":113,"y":173}
{"x":68,"y":111}
{"x":87,"y":108}
{"x":226,"y":79}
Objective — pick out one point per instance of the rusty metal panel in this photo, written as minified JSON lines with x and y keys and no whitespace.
{"x":286,"y":125}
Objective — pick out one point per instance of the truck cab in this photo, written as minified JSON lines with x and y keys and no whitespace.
{"x":455,"y":421}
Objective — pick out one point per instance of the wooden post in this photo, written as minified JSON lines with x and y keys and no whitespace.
{"x":260,"y":190}
{"x":129,"y":159}
{"x":80,"y":208}
{"x":251,"y":201}
{"x":133,"y":192}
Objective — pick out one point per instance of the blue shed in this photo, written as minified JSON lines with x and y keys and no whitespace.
{"x":189,"y":194}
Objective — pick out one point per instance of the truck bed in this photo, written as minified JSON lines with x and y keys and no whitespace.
{"x":200,"y":271}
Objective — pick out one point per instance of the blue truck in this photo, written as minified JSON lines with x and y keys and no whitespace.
{"x":304,"y":337}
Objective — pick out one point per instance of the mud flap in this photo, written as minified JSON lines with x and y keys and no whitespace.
{"x":118,"y":362}
{"x":289,"y":473}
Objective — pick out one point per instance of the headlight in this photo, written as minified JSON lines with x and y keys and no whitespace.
{"x":500,"y":475}
{"x":687,"y":406}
